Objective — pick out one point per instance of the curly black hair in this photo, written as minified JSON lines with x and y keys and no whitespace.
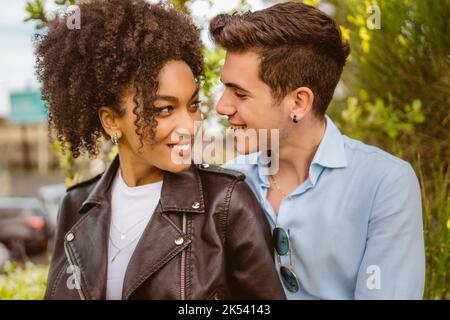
{"x":121,"y":44}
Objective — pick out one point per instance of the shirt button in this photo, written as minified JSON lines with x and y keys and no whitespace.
{"x":179,"y":241}
{"x":70,"y":236}
{"x":196,"y":205}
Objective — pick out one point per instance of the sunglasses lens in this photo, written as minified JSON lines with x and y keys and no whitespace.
{"x":289,"y":279}
{"x":281,"y":241}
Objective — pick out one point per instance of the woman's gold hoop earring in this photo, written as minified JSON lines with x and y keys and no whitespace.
{"x":114,"y":139}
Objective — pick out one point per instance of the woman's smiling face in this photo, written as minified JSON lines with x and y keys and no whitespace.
{"x":178,"y":109}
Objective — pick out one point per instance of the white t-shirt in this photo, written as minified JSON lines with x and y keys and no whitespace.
{"x":131,"y":210}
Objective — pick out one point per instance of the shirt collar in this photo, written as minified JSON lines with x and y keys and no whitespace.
{"x":331,"y":150}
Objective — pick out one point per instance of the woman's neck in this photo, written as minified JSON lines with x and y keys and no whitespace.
{"x":136,"y":172}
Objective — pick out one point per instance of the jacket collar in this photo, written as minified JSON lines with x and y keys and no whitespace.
{"x":171,"y":197}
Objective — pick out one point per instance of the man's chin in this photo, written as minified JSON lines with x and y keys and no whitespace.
{"x":243,"y":150}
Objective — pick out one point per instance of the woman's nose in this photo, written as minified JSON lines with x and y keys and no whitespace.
{"x":187,"y":125}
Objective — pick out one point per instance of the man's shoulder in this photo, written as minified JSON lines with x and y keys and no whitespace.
{"x":372,"y":157}
{"x":246,"y":164}
{"x":242,"y":161}
{"x":378,"y":169}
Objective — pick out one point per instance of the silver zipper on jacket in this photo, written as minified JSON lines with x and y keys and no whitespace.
{"x":183,"y":265}
{"x":69,"y":258}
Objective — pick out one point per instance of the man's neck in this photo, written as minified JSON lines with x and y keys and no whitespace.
{"x":298,"y":149}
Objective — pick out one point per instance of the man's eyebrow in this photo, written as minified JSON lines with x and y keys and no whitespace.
{"x":235,"y":86}
{"x":174,"y":99}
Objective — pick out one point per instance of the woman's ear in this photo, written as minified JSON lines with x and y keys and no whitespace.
{"x":110,"y":121}
{"x":303,"y":99}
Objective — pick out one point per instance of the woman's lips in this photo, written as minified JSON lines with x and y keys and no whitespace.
{"x":181,"y":149}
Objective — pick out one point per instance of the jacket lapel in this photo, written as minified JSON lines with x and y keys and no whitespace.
{"x":159,"y":243}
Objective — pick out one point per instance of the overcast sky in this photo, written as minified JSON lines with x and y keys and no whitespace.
{"x":16,"y":49}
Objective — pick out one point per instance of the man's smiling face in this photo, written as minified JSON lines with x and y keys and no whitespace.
{"x":247,"y":101}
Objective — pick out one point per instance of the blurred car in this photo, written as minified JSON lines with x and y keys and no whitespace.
{"x":4,"y":256}
{"x":24,"y":226}
{"x":51,"y":197}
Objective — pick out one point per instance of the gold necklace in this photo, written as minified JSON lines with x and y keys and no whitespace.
{"x":277,"y":187}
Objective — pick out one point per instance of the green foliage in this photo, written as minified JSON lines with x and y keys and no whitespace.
{"x":406,"y":59}
{"x":35,"y":10}
{"x":181,"y":5}
{"x":436,"y":211}
{"x":67,"y":163}
{"x":210,"y":79}
{"x":375,"y":122}
{"x":23,"y":283}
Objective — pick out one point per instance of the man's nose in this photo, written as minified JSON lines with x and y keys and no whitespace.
{"x":224,"y":106}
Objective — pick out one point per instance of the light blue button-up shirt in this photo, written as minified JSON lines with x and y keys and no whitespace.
{"x":355,"y":223}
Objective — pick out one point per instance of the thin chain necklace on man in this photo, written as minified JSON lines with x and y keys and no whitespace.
{"x":277,"y":187}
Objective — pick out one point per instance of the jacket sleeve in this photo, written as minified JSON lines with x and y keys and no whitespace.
{"x":250,"y":266}
{"x":58,"y":258}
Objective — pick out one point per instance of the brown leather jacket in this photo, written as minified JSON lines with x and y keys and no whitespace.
{"x":224,"y":253}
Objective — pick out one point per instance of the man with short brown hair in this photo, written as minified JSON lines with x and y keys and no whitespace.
{"x":346,"y":216}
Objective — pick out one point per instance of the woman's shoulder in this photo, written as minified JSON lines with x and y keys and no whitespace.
{"x":218,"y":180}
{"x":85,"y":184}
{"x":220,"y":171}
{"x":77,"y":193}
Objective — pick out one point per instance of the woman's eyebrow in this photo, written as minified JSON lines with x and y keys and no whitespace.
{"x":197,"y":89}
{"x":174,"y":99}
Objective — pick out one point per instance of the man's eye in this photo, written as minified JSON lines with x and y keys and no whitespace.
{"x":195,"y":106}
{"x":165,"y":111}
{"x":240,"y":95}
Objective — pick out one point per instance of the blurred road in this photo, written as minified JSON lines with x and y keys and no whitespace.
{"x":26,"y":184}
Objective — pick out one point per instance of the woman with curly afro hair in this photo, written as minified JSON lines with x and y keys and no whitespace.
{"x":153,"y":225}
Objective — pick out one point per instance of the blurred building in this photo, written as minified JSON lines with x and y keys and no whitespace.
{"x":24,"y":141}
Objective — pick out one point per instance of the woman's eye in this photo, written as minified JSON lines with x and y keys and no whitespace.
{"x":195,"y":106}
{"x":165,"y":111}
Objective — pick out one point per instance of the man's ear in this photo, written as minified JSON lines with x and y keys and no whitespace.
{"x":302,"y":99}
{"x":110,"y":121}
